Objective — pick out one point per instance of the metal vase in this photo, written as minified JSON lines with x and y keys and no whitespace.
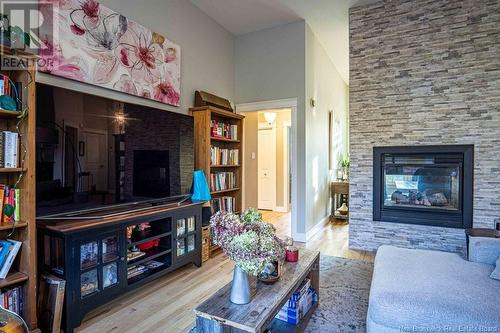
{"x":240,"y":289}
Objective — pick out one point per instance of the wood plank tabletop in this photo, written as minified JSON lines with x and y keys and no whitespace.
{"x":266,"y":302}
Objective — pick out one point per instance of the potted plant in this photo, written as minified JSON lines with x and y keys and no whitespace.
{"x":345,"y":163}
{"x":250,"y":243}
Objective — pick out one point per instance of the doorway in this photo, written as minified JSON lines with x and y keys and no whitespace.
{"x":266,"y":153}
{"x":266,"y":166}
{"x":284,"y":123}
{"x":96,"y":158}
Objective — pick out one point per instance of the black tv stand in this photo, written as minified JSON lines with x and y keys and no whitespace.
{"x":91,"y":253}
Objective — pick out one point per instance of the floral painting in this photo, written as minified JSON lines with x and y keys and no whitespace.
{"x":94,"y":44}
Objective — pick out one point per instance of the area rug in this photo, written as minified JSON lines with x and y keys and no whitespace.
{"x":344,"y":292}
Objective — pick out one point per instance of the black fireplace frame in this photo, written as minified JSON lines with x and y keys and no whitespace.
{"x":430,"y":217}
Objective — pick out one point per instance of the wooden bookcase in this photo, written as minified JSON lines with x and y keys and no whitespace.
{"x":203,"y":116}
{"x":23,"y":271}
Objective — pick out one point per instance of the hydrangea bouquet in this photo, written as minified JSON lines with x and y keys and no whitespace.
{"x":247,"y":240}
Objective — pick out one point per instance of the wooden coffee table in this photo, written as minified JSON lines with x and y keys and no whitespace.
{"x":217,"y":314}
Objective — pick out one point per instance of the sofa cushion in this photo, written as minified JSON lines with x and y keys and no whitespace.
{"x":484,"y":249}
{"x":429,"y":289}
{"x":496,"y":272}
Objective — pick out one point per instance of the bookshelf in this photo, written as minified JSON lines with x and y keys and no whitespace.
{"x":23,"y":271}
{"x":204,"y":140}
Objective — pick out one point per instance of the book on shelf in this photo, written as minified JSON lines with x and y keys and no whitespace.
{"x":12,"y":299}
{"x":132,"y":255}
{"x":220,"y":181}
{"x":219,"y":129}
{"x":10,"y":196}
{"x":222,"y":156}
{"x":9,"y":145}
{"x":143,"y":268}
{"x":226,"y":204}
{"x":50,"y":303}
{"x":13,"y":90}
{"x":4,"y":251}
{"x":13,"y":250}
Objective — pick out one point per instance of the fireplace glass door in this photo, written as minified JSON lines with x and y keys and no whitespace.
{"x":426,"y":185}
{"x":422,"y":182}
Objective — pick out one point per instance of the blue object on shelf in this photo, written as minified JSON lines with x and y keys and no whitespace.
{"x":200,"y":189}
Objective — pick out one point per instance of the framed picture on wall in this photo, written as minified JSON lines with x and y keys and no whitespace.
{"x":88,"y":42}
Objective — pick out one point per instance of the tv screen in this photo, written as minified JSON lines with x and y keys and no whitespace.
{"x":94,"y":152}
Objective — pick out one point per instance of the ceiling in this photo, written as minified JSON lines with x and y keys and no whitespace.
{"x":327,"y":18}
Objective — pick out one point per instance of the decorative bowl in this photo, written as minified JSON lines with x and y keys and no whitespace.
{"x":271,"y":278}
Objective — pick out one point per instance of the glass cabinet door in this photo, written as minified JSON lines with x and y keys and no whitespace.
{"x":100,"y":264}
{"x":181,"y":227}
{"x":185,"y":242}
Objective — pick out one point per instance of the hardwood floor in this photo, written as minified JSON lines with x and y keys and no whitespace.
{"x":166,"y":305}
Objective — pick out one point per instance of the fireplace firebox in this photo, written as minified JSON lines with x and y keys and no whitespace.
{"x":427,"y":185}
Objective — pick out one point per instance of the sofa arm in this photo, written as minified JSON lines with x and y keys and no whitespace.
{"x":484,"y":250}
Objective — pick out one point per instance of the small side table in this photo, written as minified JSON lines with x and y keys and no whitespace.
{"x":479,"y":232}
{"x":340,"y":194}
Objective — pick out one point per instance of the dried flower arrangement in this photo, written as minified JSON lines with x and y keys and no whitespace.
{"x":247,"y":240}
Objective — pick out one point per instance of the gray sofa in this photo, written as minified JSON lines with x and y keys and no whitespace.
{"x":432,"y":291}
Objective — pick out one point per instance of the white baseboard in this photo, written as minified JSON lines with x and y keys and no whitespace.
{"x":317,"y":228}
{"x":280,"y":209}
{"x":307,"y":236}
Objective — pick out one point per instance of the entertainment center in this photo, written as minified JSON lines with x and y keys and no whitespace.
{"x":91,"y":250}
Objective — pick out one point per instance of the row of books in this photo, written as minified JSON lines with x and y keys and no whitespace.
{"x":226,"y":204}
{"x":221,"y":156}
{"x":10,"y":197}
{"x":221,"y":181}
{"x":12,"y":299}
{"x":220,"y":129}
{"x":136,"y":270}
{"x":298,"y":304}
{"x":8,"y":251}
{"x":9,"y":150}
{"x":6,"y":89}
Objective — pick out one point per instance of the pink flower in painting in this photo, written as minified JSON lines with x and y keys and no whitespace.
{"x":140,"y":53}
{"x":91,"y":10}
{"x":126,"y":85}
{"x":77,"y":30}
{"x":52,"y":61}
{"x":101,"y":26}
{"x":164,"y":92}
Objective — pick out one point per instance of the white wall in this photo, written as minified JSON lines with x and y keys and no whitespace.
{"x":289,"y":62}
{"x":207,"y":49}
{"x":325,"y":85}
{"x":270,"y":65}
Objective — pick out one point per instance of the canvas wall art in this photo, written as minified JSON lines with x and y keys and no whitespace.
{"x":91,"y":43}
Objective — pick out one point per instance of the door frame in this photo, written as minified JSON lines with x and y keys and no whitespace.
{"x":97,"y":131}
{"x":63,"y":153}
{"x":286,"y":176}
{"x":290,"y":103}
{"x":272,"y":127}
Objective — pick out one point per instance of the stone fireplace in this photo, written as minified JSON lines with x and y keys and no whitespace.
{"x":428,"y":75}
{"x":426,"y":185}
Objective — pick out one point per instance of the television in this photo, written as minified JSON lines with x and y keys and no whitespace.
{"x":93,"y":152}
